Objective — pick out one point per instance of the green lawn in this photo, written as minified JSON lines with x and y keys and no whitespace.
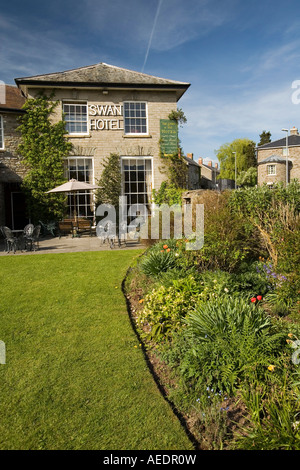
{"x":75,"y":376}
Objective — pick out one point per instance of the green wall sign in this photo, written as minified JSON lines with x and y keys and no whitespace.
{"x":168,"y":137}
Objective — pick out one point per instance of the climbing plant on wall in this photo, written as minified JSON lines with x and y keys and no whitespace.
{"x":44,"y":149}
{"x":174,"y":164}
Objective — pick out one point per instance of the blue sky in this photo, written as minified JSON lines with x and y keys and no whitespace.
{"x":240,"y":57}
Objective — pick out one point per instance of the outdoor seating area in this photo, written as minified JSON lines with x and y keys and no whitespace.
{"x":22,"y":240}
{"x":76,"y":227}
{"x":16,"y":243}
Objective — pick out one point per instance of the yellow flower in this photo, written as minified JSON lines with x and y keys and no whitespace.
{"x":290,"y":335}
{"x":289,"y":341}
{"x":141,"y":301}
{"x":271,"y":368}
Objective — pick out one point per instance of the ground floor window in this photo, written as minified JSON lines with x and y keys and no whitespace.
{"x":137,"y":182}
{"x":81,"y":169}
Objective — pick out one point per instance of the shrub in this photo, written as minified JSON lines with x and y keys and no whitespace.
{"x":158,"y":262}
{"x":274,"y":423}
{"x":166,"y":307}
{"x":226,"y":315}
{"x":168,"y":193}
{"x":226,"y":341}
{"x":272,"y":213}
{"x":228,"y":240}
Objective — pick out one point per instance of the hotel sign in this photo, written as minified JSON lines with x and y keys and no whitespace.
{"x":168,"y":137}
{"x":106,"y":117}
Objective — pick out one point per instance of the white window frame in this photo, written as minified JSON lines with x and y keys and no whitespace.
{"x":124,"y":158}
{"x":269,"y":173}
{"x":67,"y":173}
{"x":1,"y":133}
{"x":76,"y":103}
{"x":134,"y":117}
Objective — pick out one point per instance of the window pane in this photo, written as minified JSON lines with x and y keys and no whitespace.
{"x":75,"y":118}
{"x":135,"y":118}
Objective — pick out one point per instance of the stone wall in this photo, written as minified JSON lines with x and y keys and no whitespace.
{"x":12,"y":169}
{"x":100,"y":143}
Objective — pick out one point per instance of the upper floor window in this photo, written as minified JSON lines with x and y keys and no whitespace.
{"x":135,"y":117}
{"x":271,"y":169}
{"x":1,"y":133}
{"x":76,"y":118}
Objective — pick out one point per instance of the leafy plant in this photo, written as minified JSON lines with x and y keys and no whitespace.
{"x":165,"y":307}
{"x":158,"y":262}
{"x":168,"y":193}
{"x":274,"y":426}
{"x":44,"y":149}
{"x":226,"y":315}
{"x":229,"y":341}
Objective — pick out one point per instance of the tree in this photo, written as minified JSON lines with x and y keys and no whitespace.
{"x":110,"y":182}
{"x":265,"y":138}
{"x":44,"y":149}
{"x":245,"y":157}
{"x":247,"y":178}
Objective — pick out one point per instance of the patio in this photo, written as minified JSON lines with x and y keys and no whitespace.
{"x":68,"y":244}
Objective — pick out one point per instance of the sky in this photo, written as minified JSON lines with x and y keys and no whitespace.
{"x":242,"y":58}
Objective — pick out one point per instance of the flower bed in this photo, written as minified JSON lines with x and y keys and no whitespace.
{"x":223,"y":337}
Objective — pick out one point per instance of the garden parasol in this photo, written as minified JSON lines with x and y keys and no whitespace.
{"x":73,"y":186}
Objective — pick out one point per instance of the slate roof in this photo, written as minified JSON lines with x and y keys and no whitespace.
{"x":14,"y":100}
{"x":103,"y":75}
{"x":293,"y":140}
{"x":273,"y":159}
{"x":190,"y":161}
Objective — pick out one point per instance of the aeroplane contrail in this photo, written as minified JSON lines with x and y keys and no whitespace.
{"x":152,"y":32}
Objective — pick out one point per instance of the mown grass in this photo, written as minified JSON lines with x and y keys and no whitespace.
{"x":75,"y":376}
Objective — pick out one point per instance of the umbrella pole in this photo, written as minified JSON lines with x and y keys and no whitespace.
{"x":75,"y":234}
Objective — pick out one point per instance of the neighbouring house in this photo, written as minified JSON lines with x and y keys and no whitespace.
{"x":277,"y":161}
{"x":209,"y":174}
{"x":12,"y":171}
{"x":107,"y":109}
{"x":194,"y":172}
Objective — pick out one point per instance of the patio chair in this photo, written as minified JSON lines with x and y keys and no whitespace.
{"x":65,"y":226}
{"x":84,"y":226}
{"x":10,"y":239}
{"x":107,"y":232}
{"x":27,"y":233}
{"x":33,"y":239}
{"x":48,"y":228}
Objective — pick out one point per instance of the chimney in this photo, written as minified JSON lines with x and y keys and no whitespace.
{"x":216,"y":166}
{"x":209,"y":163}
{"x":200,"y":161}
{"x":190,"y":155}
{"x":294,"y":131}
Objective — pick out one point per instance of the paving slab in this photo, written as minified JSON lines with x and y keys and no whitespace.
{"x":69,"y":244}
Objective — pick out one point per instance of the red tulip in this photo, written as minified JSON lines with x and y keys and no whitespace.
{"x":253,"y":299}
{"x":259,"y":297}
